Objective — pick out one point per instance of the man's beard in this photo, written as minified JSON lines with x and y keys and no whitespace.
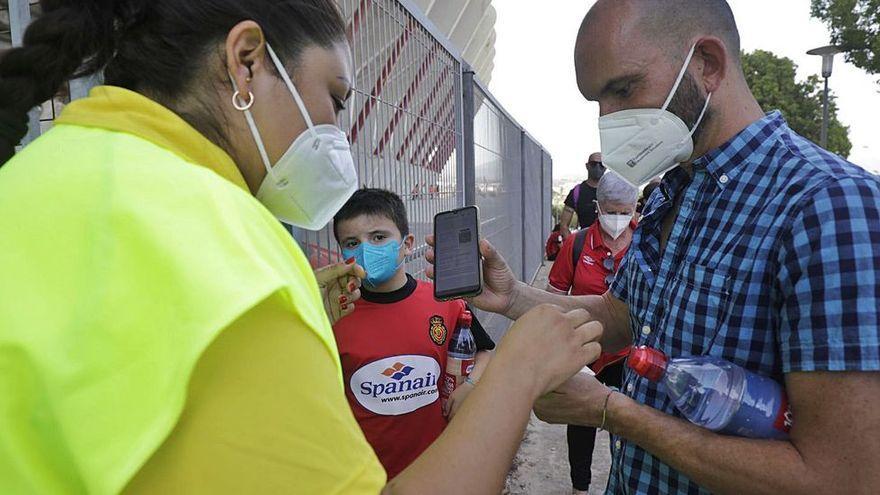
{"x":687,"y":104}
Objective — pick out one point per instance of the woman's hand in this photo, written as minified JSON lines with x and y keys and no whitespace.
{"x":549,"y":346}
{"x":459,"y":395}
{"x":499,"y":283}
{"x":340,"y":287}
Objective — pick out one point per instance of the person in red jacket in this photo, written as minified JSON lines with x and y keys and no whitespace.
{"x":393,"y":346}
{"x":587,"y":264}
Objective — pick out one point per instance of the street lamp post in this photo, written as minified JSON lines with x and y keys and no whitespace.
{"x":827,"y":53}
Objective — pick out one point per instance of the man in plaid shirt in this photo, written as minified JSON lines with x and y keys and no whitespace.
{"x":762,"y":249}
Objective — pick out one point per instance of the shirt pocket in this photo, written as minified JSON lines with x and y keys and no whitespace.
{"x":697,"y":308}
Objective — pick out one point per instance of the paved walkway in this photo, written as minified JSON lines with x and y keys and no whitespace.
{"x":541,"y":465}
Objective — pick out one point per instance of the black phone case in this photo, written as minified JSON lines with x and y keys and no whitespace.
{"x":464,"y":294}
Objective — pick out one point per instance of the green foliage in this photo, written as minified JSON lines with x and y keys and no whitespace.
{"x":774,"y":83}
{"x":855,"y":27}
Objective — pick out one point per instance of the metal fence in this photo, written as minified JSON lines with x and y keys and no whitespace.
{"x":404,"y":119}
{"x":423,"y":127}
{"x":512,"y":184}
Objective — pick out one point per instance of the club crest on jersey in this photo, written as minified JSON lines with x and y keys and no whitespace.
{"x":437,"y":330}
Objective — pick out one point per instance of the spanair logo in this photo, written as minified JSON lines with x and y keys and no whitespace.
{"x":398,"y":371}
{"x":396,"y":385}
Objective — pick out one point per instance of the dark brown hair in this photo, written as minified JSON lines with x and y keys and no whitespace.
{"x":153,"y":47}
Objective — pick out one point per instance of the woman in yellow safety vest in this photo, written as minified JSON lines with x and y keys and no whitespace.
{"x":160,"y":331}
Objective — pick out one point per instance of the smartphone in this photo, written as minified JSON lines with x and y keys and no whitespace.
{"x":457,"y":267}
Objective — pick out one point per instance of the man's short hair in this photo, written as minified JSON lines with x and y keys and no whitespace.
{"x":679,"y":20}
{"x":673,"y":22}
{"x":375,"y":202}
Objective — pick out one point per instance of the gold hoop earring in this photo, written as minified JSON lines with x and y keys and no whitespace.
{"x":236,"y":97}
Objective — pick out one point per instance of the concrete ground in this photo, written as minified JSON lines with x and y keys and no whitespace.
{"x":541,"y":465}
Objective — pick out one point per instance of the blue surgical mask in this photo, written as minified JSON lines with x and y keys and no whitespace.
{"x":380,"y":262}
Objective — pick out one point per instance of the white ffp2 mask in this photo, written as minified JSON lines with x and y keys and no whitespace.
{"x":642,"y":143}
{"x":614,"y":225}
{"x":315,"y":176}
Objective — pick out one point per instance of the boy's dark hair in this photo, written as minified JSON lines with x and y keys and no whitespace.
{"x":379,"y":202}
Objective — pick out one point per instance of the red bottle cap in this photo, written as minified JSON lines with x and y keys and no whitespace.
{"x":647,"y":362}
{"x":465,"y":319}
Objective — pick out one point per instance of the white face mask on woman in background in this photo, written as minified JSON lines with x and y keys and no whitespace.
{"x":315,"y":176}
{"x":643,"y":143}
{"x":614,"y":224}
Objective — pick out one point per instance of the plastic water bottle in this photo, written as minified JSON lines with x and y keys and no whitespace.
{"x":717,"y":394}
{"x":459,"y":358}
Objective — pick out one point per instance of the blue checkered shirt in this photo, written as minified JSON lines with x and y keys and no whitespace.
{"x":773,"y":263}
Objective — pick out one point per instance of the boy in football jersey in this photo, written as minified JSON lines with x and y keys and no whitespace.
{"x":393,"y":346}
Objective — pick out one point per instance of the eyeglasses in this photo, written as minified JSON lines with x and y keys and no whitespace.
{"x":590,"y":164}
{"x":608,"y":264}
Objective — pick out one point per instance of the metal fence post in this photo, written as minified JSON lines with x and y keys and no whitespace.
{"x":19,"y":18}
{"x":522,"y":196}
{"x":460,"y":169}
{"x":467,"y":134}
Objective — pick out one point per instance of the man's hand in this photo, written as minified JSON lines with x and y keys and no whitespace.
{"x":499,"y":283}
{"x":340,"y":288}
{"x":833,"y":446}
{"x":579,"y":401}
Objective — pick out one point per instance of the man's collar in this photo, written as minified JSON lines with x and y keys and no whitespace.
{"x":595,"y":234}
{"x":721,"y":163}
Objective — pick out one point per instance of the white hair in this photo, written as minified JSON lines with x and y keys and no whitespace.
{"x":614,"y":189}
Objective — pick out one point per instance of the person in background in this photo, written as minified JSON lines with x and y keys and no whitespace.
{"x":581,"y":200}
{"x":160,"y":330}
{"x":553,"y":244}
{"x":393,"y":346}
{"x":647,"y":191}
{"x":587,"y":264}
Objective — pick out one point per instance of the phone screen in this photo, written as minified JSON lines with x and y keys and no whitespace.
{"x":457,"y":254}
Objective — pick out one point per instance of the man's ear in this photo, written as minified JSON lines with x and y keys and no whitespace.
{"x":712,"y":53}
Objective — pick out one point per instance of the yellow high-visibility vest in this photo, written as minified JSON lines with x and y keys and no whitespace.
{"x":120,"y":261}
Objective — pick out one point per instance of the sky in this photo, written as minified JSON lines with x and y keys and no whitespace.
{"x":534,"y":73}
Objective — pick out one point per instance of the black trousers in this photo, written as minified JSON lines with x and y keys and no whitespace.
{"x":582,"y":439}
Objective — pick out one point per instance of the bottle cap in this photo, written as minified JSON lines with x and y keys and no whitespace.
{"x":647,"y":362}
{"x":465,"y":319}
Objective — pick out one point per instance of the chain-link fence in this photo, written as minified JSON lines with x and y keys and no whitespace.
{"x":509,"y":173}
{"x":421,"y":126}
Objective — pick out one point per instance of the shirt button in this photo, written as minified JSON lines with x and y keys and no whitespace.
{"x":617,"y":445}
{"x":724,"y":179}
{"x":629,"y":388}
{"x":646,"y":330}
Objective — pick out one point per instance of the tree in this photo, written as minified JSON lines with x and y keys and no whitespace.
{"x":774,"y":83}
{"x":855,"y":27}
